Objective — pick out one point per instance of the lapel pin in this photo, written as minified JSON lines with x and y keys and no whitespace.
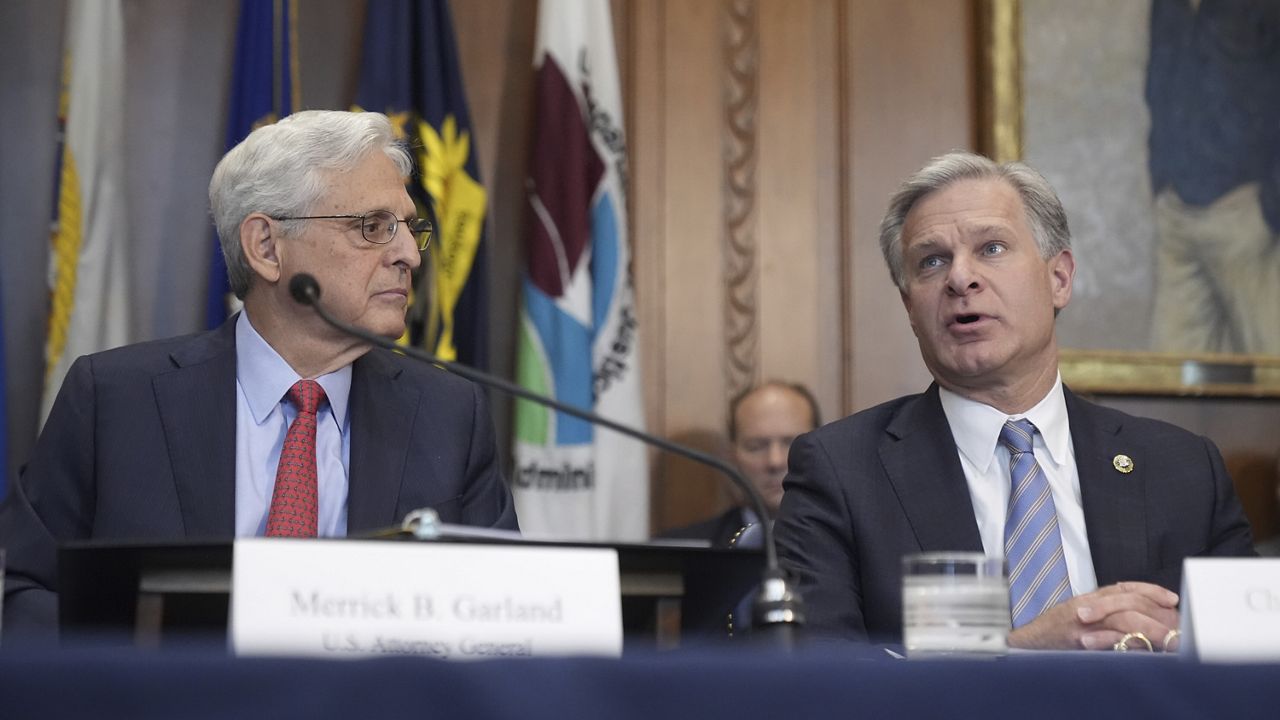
{"x":1123,"y":463}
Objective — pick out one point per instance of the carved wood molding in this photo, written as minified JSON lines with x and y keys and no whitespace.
{"x":740,"y":93}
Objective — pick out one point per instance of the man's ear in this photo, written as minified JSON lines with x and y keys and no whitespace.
{"x":258,"y":241}
{"x":1062,"y":272}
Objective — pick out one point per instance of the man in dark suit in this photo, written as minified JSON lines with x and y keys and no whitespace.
{"x":1094,"y":510}
{"x":764,"y":420}
{"x":275,"y":423}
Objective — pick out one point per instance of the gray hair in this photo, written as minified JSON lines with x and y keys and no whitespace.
{"x":1044,"y":210}
{"x":281,"y":170}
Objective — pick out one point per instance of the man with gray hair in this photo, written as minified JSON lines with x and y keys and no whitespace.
{"x":1093,"y":510}
{"x":274,"y":424}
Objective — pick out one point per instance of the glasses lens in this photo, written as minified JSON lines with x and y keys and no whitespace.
{"x":422,"y":231}
{"x":378,"y":226}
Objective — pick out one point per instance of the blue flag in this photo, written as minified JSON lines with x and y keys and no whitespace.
{"x":410,"y":72}
{"x":264,"y":88}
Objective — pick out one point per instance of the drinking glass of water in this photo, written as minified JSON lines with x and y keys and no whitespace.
{"x":954,"y":604}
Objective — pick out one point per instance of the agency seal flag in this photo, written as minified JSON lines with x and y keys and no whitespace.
{"x":578,"y":339}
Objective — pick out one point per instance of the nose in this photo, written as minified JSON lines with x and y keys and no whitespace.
{"x":778,"y":455}
{"x":403,"y":249}
{"x":962,"y":276}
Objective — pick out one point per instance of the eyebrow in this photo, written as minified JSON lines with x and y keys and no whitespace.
{"x":980,"y":233}
{"x":926,"y":246}
{"x":991,"y":230}
{"x":411,"y":215}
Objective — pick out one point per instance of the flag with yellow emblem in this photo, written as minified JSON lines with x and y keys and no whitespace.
{"x":88,"y":283}
{"x":264,"y":88}
{"x":410,"y":71}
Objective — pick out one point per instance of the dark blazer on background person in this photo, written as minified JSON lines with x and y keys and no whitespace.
{"x":720,"y":530}
{"x":141,"y":445}
{"x":863,"y":491}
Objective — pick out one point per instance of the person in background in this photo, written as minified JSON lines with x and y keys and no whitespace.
{"x":1093,"y":510}
{"x":763,"y":421}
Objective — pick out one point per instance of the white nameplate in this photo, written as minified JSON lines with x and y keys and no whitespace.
{"x":350,"y":598}
{"x":1231,"y":609}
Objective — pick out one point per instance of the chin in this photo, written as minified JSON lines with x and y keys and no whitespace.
{"x":772,"y":502}
{"x":970,"y":365}
{"x":393,"y":333}
{"x":388,"y":330}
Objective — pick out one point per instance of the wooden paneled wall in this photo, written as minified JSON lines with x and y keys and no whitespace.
{"x":766,"y":136}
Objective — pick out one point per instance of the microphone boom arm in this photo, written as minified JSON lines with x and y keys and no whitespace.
{"x":306,"y":291}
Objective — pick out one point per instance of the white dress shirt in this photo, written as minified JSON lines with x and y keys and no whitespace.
{"x":263,"y":416}
{"x":985,"y":460}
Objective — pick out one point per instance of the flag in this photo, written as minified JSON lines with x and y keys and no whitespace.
{"x":88,"y":286}
{"x":578,"y":335}
{"x":410,"y":72}
{"x":264,"y":88}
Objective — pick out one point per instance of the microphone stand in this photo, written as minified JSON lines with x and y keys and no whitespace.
{"x":777,"y":610}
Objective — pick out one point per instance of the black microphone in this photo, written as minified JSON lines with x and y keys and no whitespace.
{"x":306,"y":291}
{"x":777,"y":611}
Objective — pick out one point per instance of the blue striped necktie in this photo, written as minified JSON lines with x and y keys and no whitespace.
{"x":1038,"y":577}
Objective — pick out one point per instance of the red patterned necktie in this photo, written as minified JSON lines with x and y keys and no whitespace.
{"x":295,"y":500}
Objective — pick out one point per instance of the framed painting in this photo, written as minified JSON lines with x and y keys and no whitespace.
{"x":1158,"y":122}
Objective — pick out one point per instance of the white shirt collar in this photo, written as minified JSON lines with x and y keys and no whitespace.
{"x":976,"y":426}
{"x":265,"y":377}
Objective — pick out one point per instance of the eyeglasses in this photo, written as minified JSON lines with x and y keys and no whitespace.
{"x":379,"y":227}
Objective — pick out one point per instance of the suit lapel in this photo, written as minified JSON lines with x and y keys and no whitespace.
{"x":382,"y":417}
{"x":197,"y":404}
{"x":919,"y":456}
{"x":1114,"y":511}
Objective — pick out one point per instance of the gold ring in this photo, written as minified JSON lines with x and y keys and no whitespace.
{"x":1169,"y":637}
{"x":1122,"y":645}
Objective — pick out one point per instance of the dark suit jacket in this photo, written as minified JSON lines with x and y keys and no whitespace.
{"x":863,"y":491}
{"x":719,"y":530}
{"x":141,"y":445}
